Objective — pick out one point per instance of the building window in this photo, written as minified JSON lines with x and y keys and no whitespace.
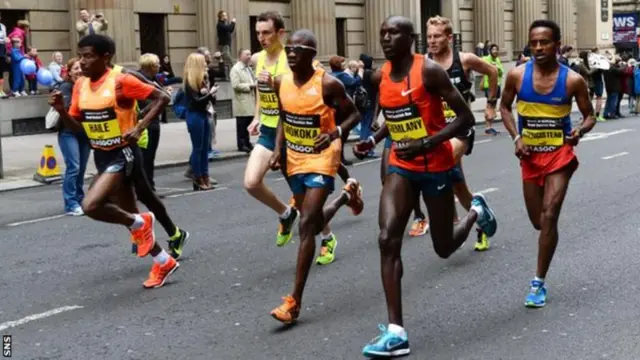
{"x":10,"y":20}
{"x":341,"y":36}
{"x":153,"y":34}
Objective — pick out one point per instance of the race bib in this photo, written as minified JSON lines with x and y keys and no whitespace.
{"x":300,"y":132}
{"x":449,"y":114}
{"x":543,"y":135}
{"x":102,"y":128}
{"x":405,"y":122}
{"x":268,"y":100}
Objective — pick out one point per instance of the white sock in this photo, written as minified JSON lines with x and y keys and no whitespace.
{"x":161,"y":258}
{"x":535,"y":278}
{"x":138,"y":222}
{"x":478,"y":210}
{"x":328,"y":236}
{"x":286,"y":213}
{"x":398,"y":330}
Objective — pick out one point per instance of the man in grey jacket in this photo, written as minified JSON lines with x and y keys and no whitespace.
{"x":243,"y":82}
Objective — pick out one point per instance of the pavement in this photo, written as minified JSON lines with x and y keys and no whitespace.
{"x":71,"y":289}
{"x":21,"y":154}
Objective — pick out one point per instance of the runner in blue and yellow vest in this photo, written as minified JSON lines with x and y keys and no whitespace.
{"x":270,"y":63}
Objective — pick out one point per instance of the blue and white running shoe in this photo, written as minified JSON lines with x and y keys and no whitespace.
{"x":487,"y":221}
{"x":537,"y":296}
{"x":386,"y":344}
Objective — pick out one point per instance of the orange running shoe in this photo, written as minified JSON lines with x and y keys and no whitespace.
{"x":419,"y":227}
{"x":355,"y":199}
{"x":160,"y":273}
{"x":145,"y":237}
{"x":288,"y":312}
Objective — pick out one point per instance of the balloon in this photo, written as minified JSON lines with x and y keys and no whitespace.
{"x":28,"y":67}
{"x":44,"y":77}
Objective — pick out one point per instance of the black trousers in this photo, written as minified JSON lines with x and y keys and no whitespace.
{"x":242,"y":134}
{"x":149,"y":154}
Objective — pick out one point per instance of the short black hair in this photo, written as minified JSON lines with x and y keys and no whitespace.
{"x":550,"y":24}
{"x":404,"y":23}
{"x":307,"y":36}
{"x":101,"y":44}
{"x":276,"y":17}
{"x":491,"y":46}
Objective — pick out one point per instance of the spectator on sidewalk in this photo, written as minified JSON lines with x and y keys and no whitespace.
{"x":243,"y":81}
{"x":74,"y":147}
{"x":3,"y":54}
{"x":225,"y":28}
{"x":149,"y":67}
{"x":17,"y":83}
{"x":167,"y":70}
{"x":213,"y":72}
{"x":199,"y":95}
{"x":372,"y":94}
{"x":57,"y":69}
{"x":494,"y":59}
{"x":90,"y":24}
{"x":32,"y":54}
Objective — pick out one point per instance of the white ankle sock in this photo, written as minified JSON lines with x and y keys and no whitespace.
{"x":161,"y":258}
{"x":478,"y":210}
{"x":326,"y":237}
{"x":138,"y":222}
{"x":286,"y":213}
{"x":397,"y":329}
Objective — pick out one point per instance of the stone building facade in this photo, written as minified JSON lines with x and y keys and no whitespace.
{"x":345,"y":27}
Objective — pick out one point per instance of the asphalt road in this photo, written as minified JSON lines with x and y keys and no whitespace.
{"x":76,"y":291}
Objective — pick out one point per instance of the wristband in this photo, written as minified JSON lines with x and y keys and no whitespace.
{"x":516,"y":138}
{"x":426,"y":143}
{"x":339,"y":131}
{"x":372,"y":140}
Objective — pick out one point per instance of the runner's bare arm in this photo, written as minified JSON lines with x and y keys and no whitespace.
{"x":280,"y":128}
{"x":159,"y":101}
{"x":335,"y":93}
{"x":580,"y":90}
{"x":506,"y":103}
{"x":473,"y":62}
{"x":437,"y":82}
{"x":256,"y":118}
{"x":383,"y":131}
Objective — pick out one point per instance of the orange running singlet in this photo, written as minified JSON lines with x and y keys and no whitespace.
{"x":411,"y":112}
{"x":305,"y":117}
{"x":104,"y":119}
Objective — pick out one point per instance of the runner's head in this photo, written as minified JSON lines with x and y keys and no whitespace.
{"x":95,"y":52}
{"x":544,"y":41}
{"x":396,"y":37}
{"x":439,"y":34}
{"x":270,"y":29}
{"x":301,"y":49}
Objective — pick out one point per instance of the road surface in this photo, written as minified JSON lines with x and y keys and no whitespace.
{"x":71,"y":289}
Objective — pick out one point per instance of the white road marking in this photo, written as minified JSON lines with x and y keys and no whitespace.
{"x":281,"y":179}
{"x":196,"y":192}
{"x":600,"y":136}
{"x":30,"y":318}
{"x":36,"y":220}
{"x":367,"y":161}
{"x":483,"y":141}
{"x":615,"y":155}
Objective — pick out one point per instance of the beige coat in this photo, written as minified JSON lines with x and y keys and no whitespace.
{"x":100,"y":27}
{"x":244,"y":95}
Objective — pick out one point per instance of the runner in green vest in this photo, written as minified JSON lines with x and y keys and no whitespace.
{"x":494,"y":59}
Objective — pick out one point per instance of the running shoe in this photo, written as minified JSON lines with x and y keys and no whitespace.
{"x":487,"y":221}
{"x":537,"y":296}
{"x":159,"y":273}
{"x":482,"y":244}
{"x":288,"y":312}
{"x":353,"y":188}
{"x":419,"y":227}
{"x":285,"y":230}
{"x":327,"y":251}
{"x":145,"y":237}
{"x":177,"y":243}
{"x":386,"y":344}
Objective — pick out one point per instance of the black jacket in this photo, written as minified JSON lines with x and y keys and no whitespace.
{"x":224,"y":32}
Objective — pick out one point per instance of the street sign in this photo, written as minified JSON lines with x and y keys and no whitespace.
{"x":604,"y":10}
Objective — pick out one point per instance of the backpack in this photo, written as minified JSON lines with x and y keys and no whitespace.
{"x":180,"y":104}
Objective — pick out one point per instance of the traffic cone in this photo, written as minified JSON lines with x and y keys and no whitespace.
{"x":48,"y":169}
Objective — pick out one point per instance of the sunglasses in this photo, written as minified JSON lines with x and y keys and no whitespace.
{"x":298,"y":48}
